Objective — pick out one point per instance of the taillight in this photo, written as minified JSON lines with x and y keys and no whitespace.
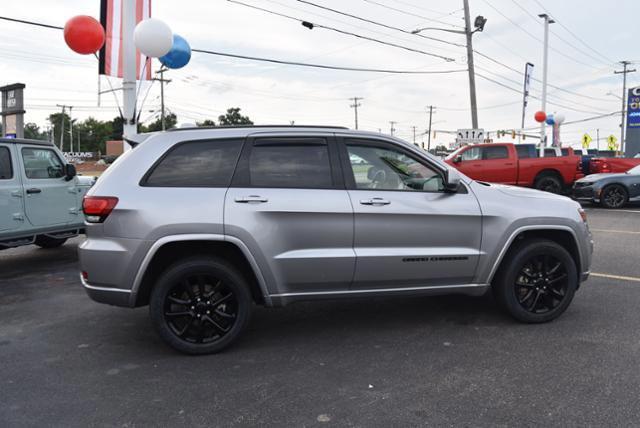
{"x":97,"y":208}
{"x":604,"y":167}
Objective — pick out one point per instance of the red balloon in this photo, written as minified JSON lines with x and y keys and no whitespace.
{"x":540,"y":116}
{"x":84,"y":34}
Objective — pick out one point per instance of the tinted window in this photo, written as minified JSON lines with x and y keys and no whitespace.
{"x":565,"y":152}
{"x":375,"y":167}
{"x":6,"y":171}
{"x":549,"y":153}
{"x":42,"y":163}
{"x":197,"y":164}
{"x":497,"y":152}
{"x":526,"y":151}
{"x":577,"y":152}
{"x":289,"y":164}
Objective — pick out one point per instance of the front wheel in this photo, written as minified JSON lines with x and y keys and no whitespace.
{"x":614,"y":196}
{"x":537,"y":281}
{"x":200,"y":305}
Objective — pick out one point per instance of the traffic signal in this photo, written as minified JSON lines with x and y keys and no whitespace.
{"x":513,"y":134}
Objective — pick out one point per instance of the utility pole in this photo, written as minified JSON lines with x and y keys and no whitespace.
{"x":598,"y":139}
{"x":392,"y":128}
{"x":414,"y":134}
{"x":64,"y":107}
{"x":547,"y":21}
{"x":70,"y":130}
{"x":355,"y":106}
{"x":429,"y":131}
{"x":624,"y":94}
{"x":472,"y":75}
{"x":162,"y":81}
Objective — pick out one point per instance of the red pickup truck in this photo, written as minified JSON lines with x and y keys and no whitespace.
{"x":516,"y":164}
{"x":600,"y":165}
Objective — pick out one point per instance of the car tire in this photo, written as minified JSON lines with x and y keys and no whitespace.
{"x":614,"y":196}
{"x":549,"y":182}
{"x":43,"y":241}
{"x":536,"y":282}
{"x":200,"y":305}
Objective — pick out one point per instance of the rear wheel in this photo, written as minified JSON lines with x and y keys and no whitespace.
{"x":548,"y":182}
{"x":614,"y":196}
{"x":537,"y":281}
{"x":49,"y":242}
{"x":200,"y":305}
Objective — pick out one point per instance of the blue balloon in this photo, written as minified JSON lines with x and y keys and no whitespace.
{"x":179,"y":55}
{"x":550,"y":120}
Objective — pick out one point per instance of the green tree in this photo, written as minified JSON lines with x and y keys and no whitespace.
{"x":206,"y":122}
{"x":32,"y":132}
{"x":93,"y":134}
{"x":233,"y":117}
{"x":170,"y":121}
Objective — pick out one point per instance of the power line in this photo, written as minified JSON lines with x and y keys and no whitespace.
{"x":21,"y":21}
{"x":609,"y":61}
{"x":311,"y":25}
{"x":330,"y":67}
{"x":369,"y":21}
{"x":415,"y":14}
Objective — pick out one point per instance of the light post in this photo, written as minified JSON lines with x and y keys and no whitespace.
{"x":478,"y":24}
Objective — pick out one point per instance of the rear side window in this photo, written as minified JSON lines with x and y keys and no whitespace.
{"x":497,"y":152}
{"x":550,"y":153}
{"x":6,"y":170}
{"x":42,"y":163}
{"x":290,"y":165}
{"x":196,"y":164}
{"x":526,"y":151}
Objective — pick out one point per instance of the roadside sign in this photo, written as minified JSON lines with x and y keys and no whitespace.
{"x":469,"y":136}
{"x":586,"y":140}
{"x":612,"y":142}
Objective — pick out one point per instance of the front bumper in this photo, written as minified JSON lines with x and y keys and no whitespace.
{"x":584,"y":193}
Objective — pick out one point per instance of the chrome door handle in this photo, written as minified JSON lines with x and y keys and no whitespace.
{"x":374,"y":201}
{"x":251,"y":199}
{"x":33,"y":190}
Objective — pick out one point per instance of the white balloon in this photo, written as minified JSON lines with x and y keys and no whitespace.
{"x":153,"y":37}
{"x":559,"y":118}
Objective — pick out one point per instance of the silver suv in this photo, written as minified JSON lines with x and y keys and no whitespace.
{"x":199,"y":224}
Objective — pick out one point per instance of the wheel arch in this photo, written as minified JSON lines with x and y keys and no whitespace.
{"x":549,"y":171}
{"x":169,"y":249}
{"x":562,"y":235}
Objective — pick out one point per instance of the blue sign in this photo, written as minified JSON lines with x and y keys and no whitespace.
{"x":633,"y":108}
{"x":10,"y":136}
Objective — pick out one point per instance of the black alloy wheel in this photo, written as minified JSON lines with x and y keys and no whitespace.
{"x":541,"y":284}
{"x":200,"y":309}
{"x":614,"y":196}
{"x":549,"y":183}
{"x":536,"y":280}
{"x":200,"y":305}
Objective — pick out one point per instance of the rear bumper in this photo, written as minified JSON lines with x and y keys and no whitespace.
{"x":110,"y":296}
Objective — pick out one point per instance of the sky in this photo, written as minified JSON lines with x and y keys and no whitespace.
{"x":586,"y":42}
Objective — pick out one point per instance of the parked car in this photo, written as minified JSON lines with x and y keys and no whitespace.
{"x":604,"y":165}
{"x":516,"y":164}
{"x":201,"y":223}
{"x":611,"y":190}
{"x":40,"y":195}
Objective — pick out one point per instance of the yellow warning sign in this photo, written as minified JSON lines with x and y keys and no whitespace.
{"x":612,"y":142}
{"x":586,"y":140}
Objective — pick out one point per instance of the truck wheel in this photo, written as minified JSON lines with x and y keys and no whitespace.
{"x":49,"y":242}
{"x":549,"y":183}
{"x":200,"y":305}
{"x":536,"y":282}
{"x":614,"y":196}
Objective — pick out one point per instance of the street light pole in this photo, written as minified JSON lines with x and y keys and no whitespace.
{"x":129,"y":127}
{"x":472,"y":75}
{"x":429,"y":136}
{"x":624,"y":94}
{"x":545,"y":55}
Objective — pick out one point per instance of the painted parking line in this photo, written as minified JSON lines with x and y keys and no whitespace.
{"x":618,"y":277}
{"x":612,"y":211}
{"x":616,"y":231}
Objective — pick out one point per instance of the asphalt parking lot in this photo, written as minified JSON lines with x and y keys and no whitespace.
{"x":447,"y":361}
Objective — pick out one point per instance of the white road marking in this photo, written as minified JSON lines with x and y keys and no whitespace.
{"x":615,"y":231}
{"x":611,"y":211}
{"x":619,"y":277}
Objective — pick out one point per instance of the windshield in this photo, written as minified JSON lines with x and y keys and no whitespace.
{"x":635,"y":170}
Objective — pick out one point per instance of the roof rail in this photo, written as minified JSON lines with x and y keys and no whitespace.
{"x":26,"y":141}
{"x":191,"y":128}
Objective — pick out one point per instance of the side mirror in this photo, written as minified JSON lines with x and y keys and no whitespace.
{"x":457,"y":159}
{"x":69,"y":172}
{"x":452,"y":181}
